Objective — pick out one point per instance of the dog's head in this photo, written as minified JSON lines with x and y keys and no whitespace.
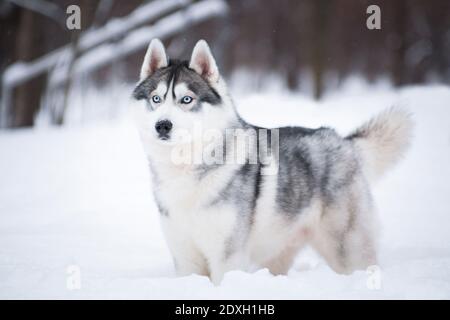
{"x":180,"y":97}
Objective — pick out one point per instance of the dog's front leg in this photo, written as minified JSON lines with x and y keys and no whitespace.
{"x":186,"y":256}
{"x":189,"y":262}
{"x":217,"y":271}
{"x":219,"y":265}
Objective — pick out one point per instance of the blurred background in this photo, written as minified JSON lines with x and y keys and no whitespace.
{"x":53,"y":75}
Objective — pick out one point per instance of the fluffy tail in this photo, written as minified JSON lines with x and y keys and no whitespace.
{"x":383,"y":140}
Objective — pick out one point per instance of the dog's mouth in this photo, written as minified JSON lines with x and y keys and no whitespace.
{"x":164,"y":137}
{"x":164,"y":140}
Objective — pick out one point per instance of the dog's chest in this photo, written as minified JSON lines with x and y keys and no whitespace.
{"x":184,"y":190}
{"x":192,"y":211}
{"x":178,"y":195}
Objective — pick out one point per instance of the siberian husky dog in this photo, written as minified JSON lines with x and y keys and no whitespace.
{"x":276,"y":191}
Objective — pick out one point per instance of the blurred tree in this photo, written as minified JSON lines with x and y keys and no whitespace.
{"x":27,"y":97}
{"x":318,"y":40}
{"x":319,"y":45}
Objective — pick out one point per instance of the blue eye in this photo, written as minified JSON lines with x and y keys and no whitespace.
{"x":186,"y":100}
{"x":156,"y":99}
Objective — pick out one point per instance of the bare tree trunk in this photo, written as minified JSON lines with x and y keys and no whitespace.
{"x":27,"y":97}
{"x":399,"y":67}
{"x":319,"y":46}
{"x":59,"y":113}
{"x":103,"y":5}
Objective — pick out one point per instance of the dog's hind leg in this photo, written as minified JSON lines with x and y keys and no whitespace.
{"x":345,"y":236}
{"x":282,"y":262}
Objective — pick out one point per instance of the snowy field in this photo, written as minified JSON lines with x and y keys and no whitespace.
{"x":81,"y":196}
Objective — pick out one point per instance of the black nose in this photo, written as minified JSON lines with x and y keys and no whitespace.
{"x":163,"y":127}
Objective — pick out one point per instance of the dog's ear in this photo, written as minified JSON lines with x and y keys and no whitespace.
{"x":155,"y":58}
{"x":202,"y":61}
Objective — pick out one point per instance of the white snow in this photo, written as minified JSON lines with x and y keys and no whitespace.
{"x":81,"y":196}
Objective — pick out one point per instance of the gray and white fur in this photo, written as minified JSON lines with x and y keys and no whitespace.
{"x":224,"y":216}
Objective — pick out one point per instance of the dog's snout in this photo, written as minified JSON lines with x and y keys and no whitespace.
{"x":163,"y":127}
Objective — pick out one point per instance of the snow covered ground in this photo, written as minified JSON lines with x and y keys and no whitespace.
{"x":77,"y":201}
